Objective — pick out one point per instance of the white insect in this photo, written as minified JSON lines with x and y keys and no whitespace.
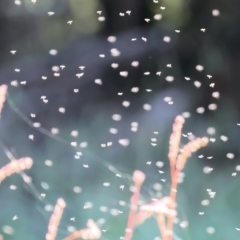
{"x":79,"y":75}
{"x":51,"y":13}
{"x":124,"y":73}
{"x":31,"y":137}
{"x":98,"y":81}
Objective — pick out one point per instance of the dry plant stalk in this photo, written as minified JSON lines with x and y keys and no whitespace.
{"x":177,"y":165}
{"x":92,"y":232}
{"x":174,"y":142}
{"x":164,"y":208}
{"x":161,"y":208}
{"x":15,"y":166}
{"x":55,"y":219}
{"x":138,"y":179}
{"x":155,"y":207}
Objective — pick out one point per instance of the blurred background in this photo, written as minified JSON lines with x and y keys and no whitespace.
{"x":94,"y":87}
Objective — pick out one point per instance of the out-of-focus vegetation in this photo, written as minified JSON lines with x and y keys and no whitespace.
{"x":204,"y":39}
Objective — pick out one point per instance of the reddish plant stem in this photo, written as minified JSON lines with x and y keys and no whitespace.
{"x":161,"y":224}
{"x":132,"y":213}
{"x":172,"y":169}
{"x":91,"y":232}
{"x":55,"y":219}
{"x":74,"y":235}
{"x":173,"y":193}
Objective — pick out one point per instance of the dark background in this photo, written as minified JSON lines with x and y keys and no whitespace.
{"x":27,"y":28}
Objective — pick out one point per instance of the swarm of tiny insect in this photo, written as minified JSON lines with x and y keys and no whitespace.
{"x":164,"y":209}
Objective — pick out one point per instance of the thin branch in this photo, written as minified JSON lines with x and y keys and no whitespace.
{"x":55,"y":219}
{"x":15,"y":166}
{"x":177,"y":165}
{"x":174,"y":142}
{"x":138,"y":178}
{"x":92,"y":232}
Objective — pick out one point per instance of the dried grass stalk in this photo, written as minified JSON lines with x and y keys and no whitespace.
{"x":55,"y":219}
{"x":138,"y":178}
{"x":15,"y":166}
{"x":159,"y":207}
{"x":92,"y":232}
{"x":179,"y":164}
{"x":188,"y":149}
